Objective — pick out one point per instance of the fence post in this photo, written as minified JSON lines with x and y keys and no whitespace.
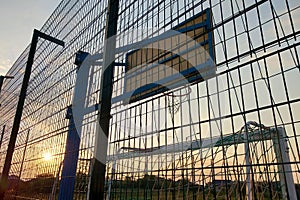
{"x":20,"y":106}
{"x":98,"y":166}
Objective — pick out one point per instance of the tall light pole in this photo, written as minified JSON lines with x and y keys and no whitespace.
{"x":16,"y":124}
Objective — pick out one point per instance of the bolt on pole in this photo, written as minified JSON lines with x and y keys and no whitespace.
{"x":16,"y":124}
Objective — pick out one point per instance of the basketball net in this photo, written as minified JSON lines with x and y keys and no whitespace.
{"x":176,"y":98}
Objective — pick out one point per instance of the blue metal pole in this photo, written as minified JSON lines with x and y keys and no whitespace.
{"x":67,"y":185}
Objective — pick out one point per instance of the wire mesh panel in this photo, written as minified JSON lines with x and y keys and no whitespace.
{"x":174,"y":145}
{"x":37,"y":161}
{"x":230,"y":135}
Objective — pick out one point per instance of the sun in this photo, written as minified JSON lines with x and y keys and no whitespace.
{"x":47,"y":156}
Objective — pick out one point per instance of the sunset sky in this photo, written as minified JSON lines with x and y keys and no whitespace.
{"x":17,"y":20}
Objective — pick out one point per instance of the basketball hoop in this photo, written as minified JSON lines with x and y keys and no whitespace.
{"x":187,"y":88}
{"x":176,"y":98}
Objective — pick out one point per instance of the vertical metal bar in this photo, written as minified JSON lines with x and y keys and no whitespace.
{"x":1,"y":82}
{"x":297,"y":58}
{"x":19,"y":111}
{"x":239,"y":196}
{"x":96,"y":190}
{"x":249,"y":180}
{"x":18,"y":116}
{"x":275,"y":24}
{"x":22,"y":162}
{"x":67,"y":185}
{"x":246,"y":27}
{"x":280,"y":142}
{"x":172,"y":112}
{"x":2,"y":134}
{"x":235,"y":31}
{"x":292,"y":22}
{"x":53,"y":192}
{"x":24,"y":153}
{"x":260,"y":27}
{"x":260,"y":122}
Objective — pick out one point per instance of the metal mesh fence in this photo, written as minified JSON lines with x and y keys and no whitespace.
{"x":232,"y":136}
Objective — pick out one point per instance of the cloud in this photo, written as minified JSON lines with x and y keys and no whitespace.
{"x":5,"y":65}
